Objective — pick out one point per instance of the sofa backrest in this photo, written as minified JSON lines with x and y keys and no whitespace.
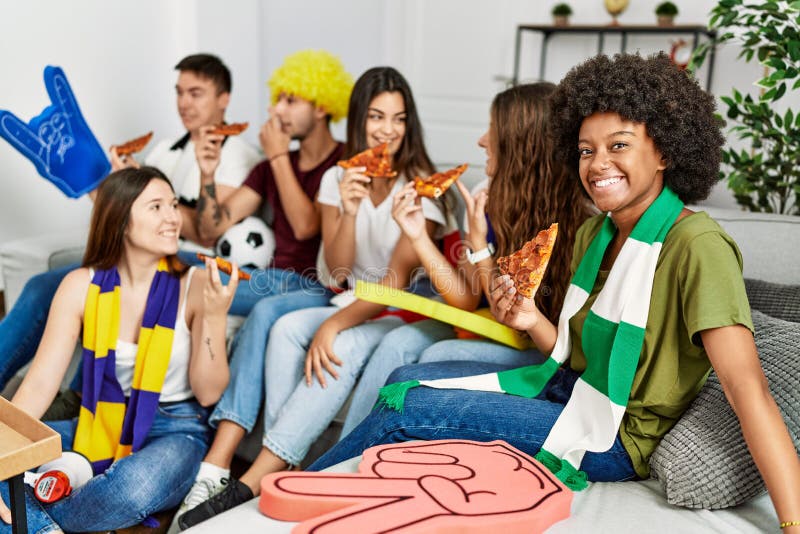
{"x":770,"y":244}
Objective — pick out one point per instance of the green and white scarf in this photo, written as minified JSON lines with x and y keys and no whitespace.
{"x":612,"y":335}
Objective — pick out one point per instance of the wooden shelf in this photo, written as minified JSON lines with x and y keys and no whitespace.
{"x":548,"y":30}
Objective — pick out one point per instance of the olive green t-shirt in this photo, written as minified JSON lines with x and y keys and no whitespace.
{"x":698,"y":285}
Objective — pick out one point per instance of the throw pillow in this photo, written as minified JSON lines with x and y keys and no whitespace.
{"x":777,"y":300}
{"x":703,"y":462}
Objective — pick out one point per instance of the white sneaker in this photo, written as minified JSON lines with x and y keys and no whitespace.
{"x":210,"y":481}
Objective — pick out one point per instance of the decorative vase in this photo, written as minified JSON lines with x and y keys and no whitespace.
{"x":560,"y":20}
{"x":614,"y":8}
{"x":665,"y":20}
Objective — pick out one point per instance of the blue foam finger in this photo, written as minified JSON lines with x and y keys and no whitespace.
{"x":58,"y":141}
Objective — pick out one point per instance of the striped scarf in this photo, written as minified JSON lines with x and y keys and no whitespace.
{"x":108,"y":429}
{"x":615,"y":327}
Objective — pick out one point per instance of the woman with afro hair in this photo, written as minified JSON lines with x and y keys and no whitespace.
{"x":656,"y":300}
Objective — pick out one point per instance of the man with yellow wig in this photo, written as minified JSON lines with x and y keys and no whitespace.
{"x":308,"y":91}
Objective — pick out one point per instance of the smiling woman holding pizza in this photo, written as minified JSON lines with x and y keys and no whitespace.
{"x":314,"y":355}
{"x":153,"y":336}
{"x":527,"y":189}
{"x":656,"y":300}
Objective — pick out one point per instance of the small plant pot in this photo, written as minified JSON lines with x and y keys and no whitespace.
{"x":665,"y":20}
{"x":560,"y":20}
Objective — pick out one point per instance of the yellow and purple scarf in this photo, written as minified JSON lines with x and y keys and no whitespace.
{"x":110,"y":426}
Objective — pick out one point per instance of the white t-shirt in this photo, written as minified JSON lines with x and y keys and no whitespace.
{"x":176,"y":383}
{"x":177,"y":160}
{"x":377,"y":232}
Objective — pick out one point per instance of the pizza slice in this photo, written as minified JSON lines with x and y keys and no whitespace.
{"x":234,"y":128}
{"x":435,"y":185}
{"x":134,"y":145}
{"x":527,"y":266}
{"x":377,"y":161}
{"x":224,"y":266}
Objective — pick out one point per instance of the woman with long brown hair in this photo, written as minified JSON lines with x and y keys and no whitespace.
{"x":528,"y":188}
{"x":314,"y":355}
{"x":153,"y":338}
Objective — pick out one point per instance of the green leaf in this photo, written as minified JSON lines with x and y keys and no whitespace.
{"x":763,"y":52}
{"x":788,"y":118}
{"x":796,"y":85}
{"x":781,"y":91}
{"x":777,"y":63}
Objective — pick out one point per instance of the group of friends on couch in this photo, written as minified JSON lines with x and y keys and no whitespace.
{"x":641,"y":299}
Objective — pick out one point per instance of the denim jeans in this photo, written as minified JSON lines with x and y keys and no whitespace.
{"x":244,"y":395}
{"x":296,"y":414}
{"x":152,"y":479}
{"x":22,"y":329}
{"x":431,"y":414}
{"x":423,"y":342}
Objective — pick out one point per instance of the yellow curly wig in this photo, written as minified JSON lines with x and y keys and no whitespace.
{"x":317,"y":76}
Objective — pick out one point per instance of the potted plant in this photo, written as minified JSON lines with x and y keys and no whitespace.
{"x":665,"y":13}
{"x":561,"y":13}
{"x":764,"y":176}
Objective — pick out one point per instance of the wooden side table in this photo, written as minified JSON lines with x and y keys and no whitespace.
{"x":25,"y":443}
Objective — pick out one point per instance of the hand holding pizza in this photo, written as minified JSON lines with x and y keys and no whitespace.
{"x":122,"y":155}
{"x":217,"y":297}
{"x":353,"y":189}
{"x":510,"y":308}
{"x":122,"y":162}
{"x":274,"y":140}
{"x":208,"y":150}
{"x":407,"y":212}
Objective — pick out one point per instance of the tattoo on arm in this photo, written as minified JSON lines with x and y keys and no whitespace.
{"x":208,"y":344}
{"x":218,"y":211}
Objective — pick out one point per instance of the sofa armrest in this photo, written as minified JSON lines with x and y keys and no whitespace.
{"x":22,"y":258}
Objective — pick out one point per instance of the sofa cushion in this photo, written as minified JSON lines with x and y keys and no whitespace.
{"x":703,"y":462}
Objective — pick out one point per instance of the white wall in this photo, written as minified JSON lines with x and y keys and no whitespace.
{"x":119,"y":62}
{"x":119,"y":58}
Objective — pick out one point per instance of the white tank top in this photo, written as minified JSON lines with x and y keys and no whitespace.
{"x":176,"y":383}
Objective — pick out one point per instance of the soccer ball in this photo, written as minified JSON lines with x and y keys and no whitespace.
{"x":250,"y":243}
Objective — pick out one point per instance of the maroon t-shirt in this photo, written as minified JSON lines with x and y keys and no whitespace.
{"x":290,"y":253}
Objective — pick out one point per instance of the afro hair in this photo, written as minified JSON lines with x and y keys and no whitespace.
{"x":678,"y":115}
{"x":317,"y":76}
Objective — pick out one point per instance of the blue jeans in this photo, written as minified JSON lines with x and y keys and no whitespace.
{"x":23,"y":327}
{"x":424,"y":342}
{"x":152,"y":479}
{"x":244,"y":395}
{"x":431,"y":414}
{"x":296,"y":414}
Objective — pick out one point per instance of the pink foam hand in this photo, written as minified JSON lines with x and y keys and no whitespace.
{"x":434,"y":486}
